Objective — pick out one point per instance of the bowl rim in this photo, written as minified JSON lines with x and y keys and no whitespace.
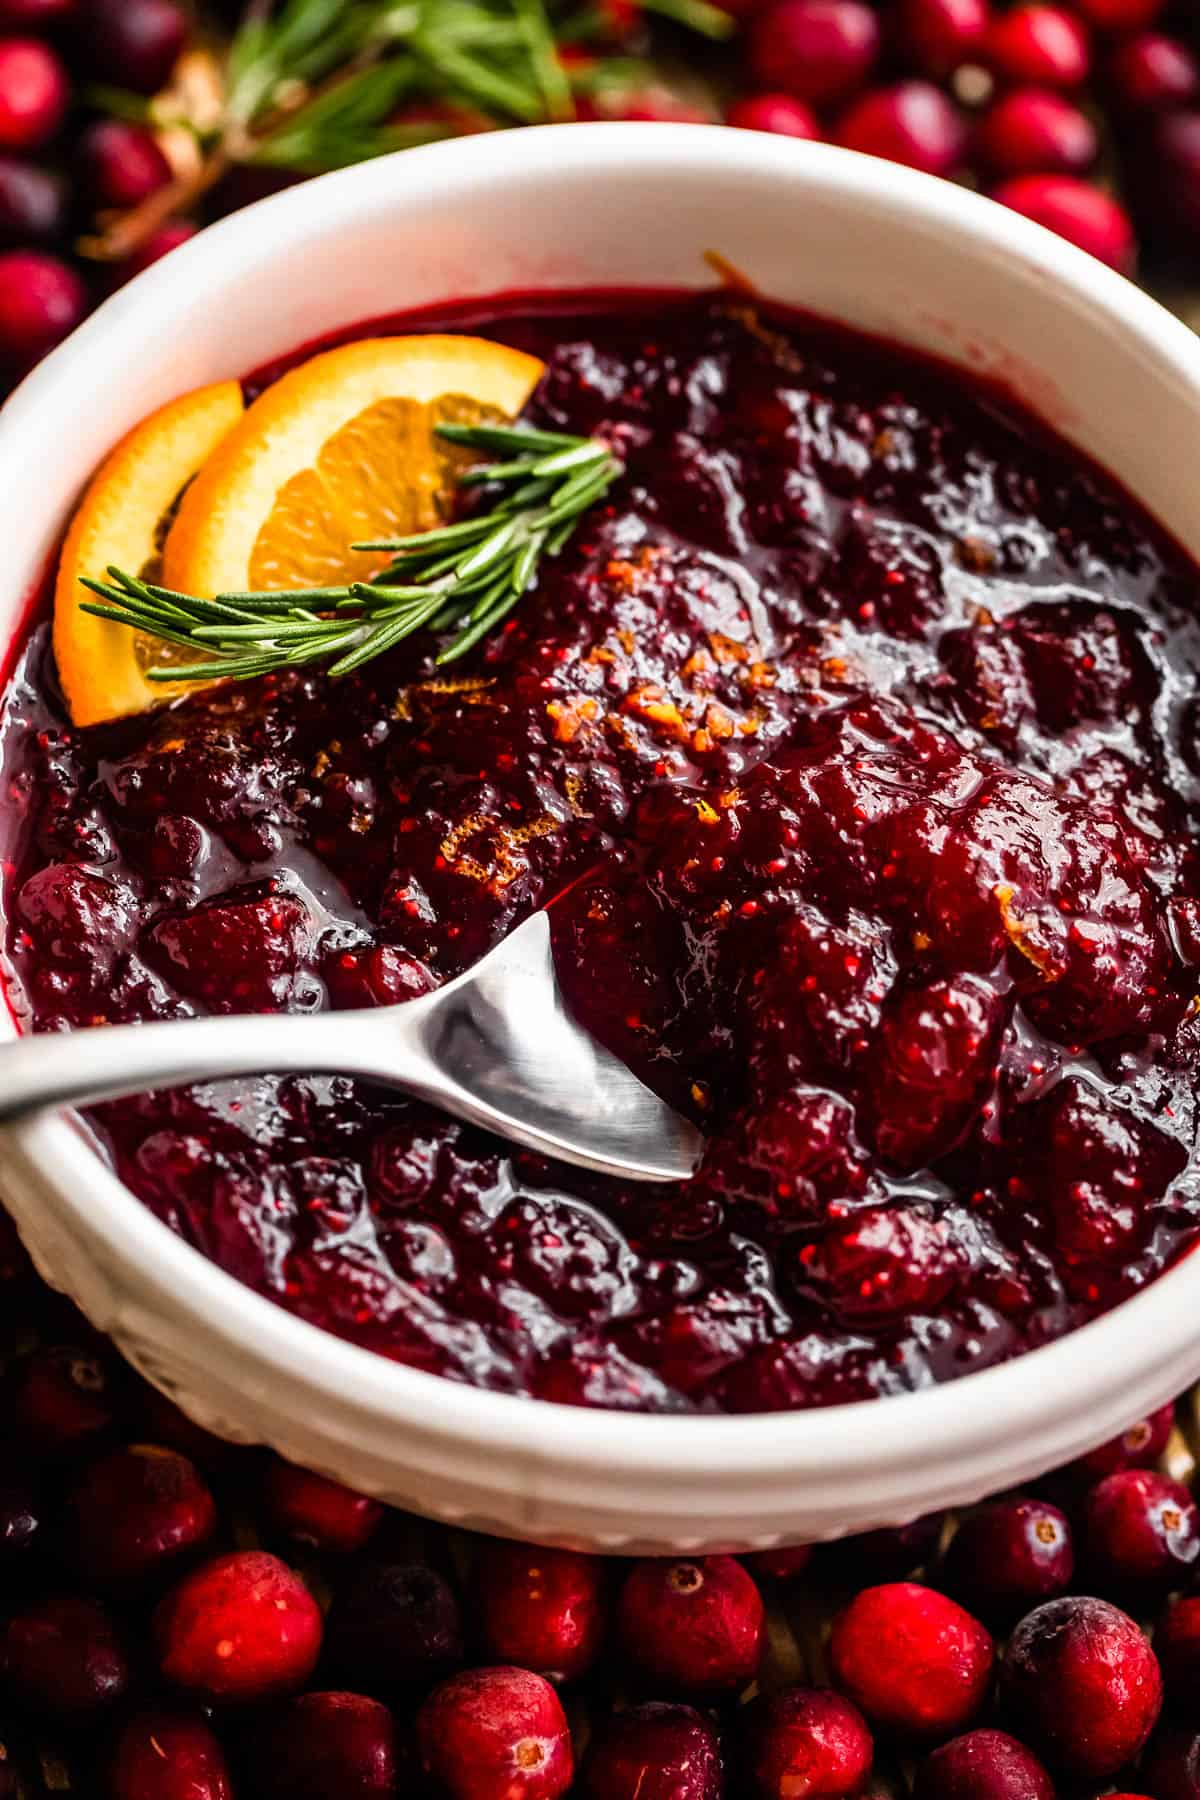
{"x":1147,"y":1334}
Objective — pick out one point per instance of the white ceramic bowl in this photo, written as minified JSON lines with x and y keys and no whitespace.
{"x":900,"y":254}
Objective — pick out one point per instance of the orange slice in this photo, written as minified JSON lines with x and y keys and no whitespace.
{"x":122,"y":519}
{"x":339,"y":451}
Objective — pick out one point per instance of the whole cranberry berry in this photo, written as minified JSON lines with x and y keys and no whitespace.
{"x":805,"y":1741}
{"x":784,"y":1564}
{"x":394,"y":1625}
{"x":940,"y":35}
{"x":1083,"y":214}
{"x":322,"y":1746}
{"x":1009,"y":1556}
{"x":654,"y":1752}
{"x":1043,"y":46}
{"x":134,"y":43}
{"x":1177,"y":1647}
{"x":168,"y":1754}
{"x":33,"y":206}
{"x":63,"y":1659}
{"x":692,"y":1627}
{"x":778,"y":113}
{"x":315,"y":1510}
{"x":62,"y":1397}
{"x":121,"y":164}
{"x":541,"y":1609}
{"x":42,"y":300}
{"x":983,"y":1765}
{"x":1137,"y":1448}
{"x":136,"y":1511}
{"x":1119,"y":15}
{"x":1081,"y":1682}
{"x":1171,"y":1767}
{"x":819,"y":51}
{"x":912,"y":123}
{"x":1032,"y":131}
{"x":912,"y":1659}
{"x":496,"y":1734}
{"x":1153,"y":72}
{"x":34,"y":93}
{"x":242,"y":1627}
{"x":1141,"y":1533}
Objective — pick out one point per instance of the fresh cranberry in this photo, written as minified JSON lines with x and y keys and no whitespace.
{"x":912,"y":123}
{"x":1153,"y":72}
{"x":241,"y":1627}
{"x":21,"y":1519}
{"x":42,"y":300}
{"x":315,"y":1510}
{"x":1081,"y":1682}
{"x":983,"y":1765}
{"x":541,"y":1609}
{"x":496,"y":1734}
{"x":394,"y":1625}
{"x":121,"y":164}
{"x":1033,"y":131}
{"x":1119,"y":15}
{"x":779,"y":113}
{"x":1177,"y":1646}
{"x":785,"y":1564}
{"x":134,"y":43}
{"x":169,"y":1754}
{"x":62,"y":1399}
{"x":654,"y":1752}
{"x":34,"y":93}
{"x":32,"y":204}
{"x":1171,"y":1766}
{"x":62,"y":1658}
{"x":805,"y":1741}
{"x":1138,"y":1447}
{"x":1007,"y":1557}
{"x":912,"y":1659}
{"x":1044,"y":46}
{"x":160,"y":243}
{"x":819,"y":51}
{"x":135,"y":1512}
{"x":1085,"y":215}
{"x":940,"y":35}
{"x":871,"y":1557}
{"x":1141,"y":1533}
{"x":692,"y":1627}
{"x":326,"y":1746}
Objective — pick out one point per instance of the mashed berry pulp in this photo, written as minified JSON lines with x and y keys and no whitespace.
{"x":856,"y":744}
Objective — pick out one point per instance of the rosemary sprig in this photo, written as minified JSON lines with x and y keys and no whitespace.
{"x":461,"y":578}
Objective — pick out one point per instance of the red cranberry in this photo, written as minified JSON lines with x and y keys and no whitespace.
{"x":1083,"y":214}
{"x":133,"y":42}
{"x":62,"y":1399}
{"x":871,"y":1557}
{"x":393,"y":1625}
{"x":1009,"y":1556}
{"x":1137,"y":1448}
{"x":942,"y":34}
{"x":329,"y":1746}
{"x":1081,"y":1682}
{"x":168,"y":1755}
{"x":1177,"y":1646}
{"x":912,"y":123}
{"x":692,"y":1627}
{"x":784,"y":1564}
{"x":135,"y":1511}
{"x":1171,"y":1767}
{"x":315,"y":1510}
{"x":160,"y":243}
{"x":1152,"y":72}
{"x":816,"y":50}
{"x":1142,"y":1533}
{"x":1044,"y":46}
{"x":121,"y":164}
{"x":496,"y":1734}
{"x":1166,"y":176}
{"x":654,"y":1752}
{"x":241,"y":1627}
{"x":913,"y":1660}
{"x":983,"y":1765}
{"x":62,"y":1658}
{"x":34,"y":92}
{"x":542,"y":1609}
{"x":32,"y":204}
{"x":778,"y":113}
{"x":806,"y":1741}
{"x":42,"y":300}
{"x":1119,"y":15}
{"x":1033,"y":131}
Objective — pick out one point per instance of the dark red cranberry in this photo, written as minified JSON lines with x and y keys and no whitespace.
{"x":160,"y":243}
{"x":818,"y":51}
{"x":242,"y":1627}
{"x":35,"y":15}
{"x":983,"y":1765}
{"x":940,"y":35}
{"x":692,"y":1627}
{"x":496,"y":1734}
{"x":1033,"y":131}
{"x":63,"y":1659}
{"x":134,"y":43}
{"x":327,"y":1746}
{"x":654,"y":1752}
{"x":1166,"y":177}
{"x":1177,"y":1646}
{"x":1085,"y":215}
{"x":20,"y":1519}
{"x":32,"y":204}
{"x":42,"y":300}
{"x":1141,"y":1534}
{"x":805,"y":1740}
{"x":1007,"y":1557}
{"x":121,"y":164}
{"x":393,"y":1626}
{"x":1042,"y":46}
{"x":912,"y":123}
{"x":168,"y":1754}
{"x":34,"y":93}
{"x":160,"y":1421}
{"x":1171,"y":1767}
{"x":1081,"y":1683}
{"x":1139,"y":1447}
{"x":1153,"y":72}
{"x":1119,"y":15}
{"x":785,"y":1564}
{"x":62,"y":1399}
{"x":871,"y":1557}
{"x":912,"y":1659}
{"x":779,"y":113}
{"x":314,"y":1510}
{"x":541,"y":1609}
{"x":135,"y":1511}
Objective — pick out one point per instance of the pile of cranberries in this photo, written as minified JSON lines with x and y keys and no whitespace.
{"x":185,"y":1620}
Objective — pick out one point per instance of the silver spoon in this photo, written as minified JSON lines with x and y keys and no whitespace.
{"x":496,"y":1046}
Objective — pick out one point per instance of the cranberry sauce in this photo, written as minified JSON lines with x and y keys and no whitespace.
{"x":856,"y":746}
